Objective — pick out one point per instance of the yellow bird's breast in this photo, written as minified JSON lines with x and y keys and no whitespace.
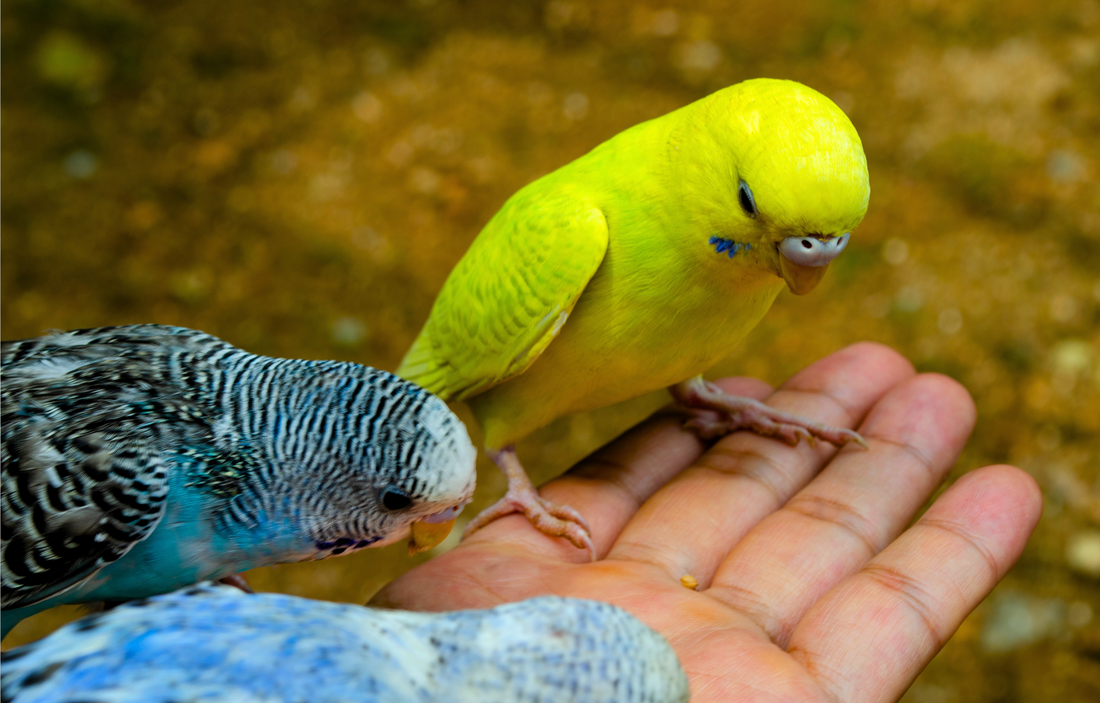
{"x":644,"y":322}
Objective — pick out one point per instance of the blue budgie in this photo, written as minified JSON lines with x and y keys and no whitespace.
{"x":140,"y":459}
{"x":213,"y":643}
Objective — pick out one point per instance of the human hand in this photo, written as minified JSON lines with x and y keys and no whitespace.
{"x":810,"y":586}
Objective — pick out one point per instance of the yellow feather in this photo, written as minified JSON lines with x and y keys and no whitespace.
{"x":600,"y":281}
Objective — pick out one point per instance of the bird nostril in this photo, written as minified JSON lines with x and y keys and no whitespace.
{"x":807,"y":244}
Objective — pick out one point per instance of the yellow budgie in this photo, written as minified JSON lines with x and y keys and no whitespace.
{"x":641,"y":265}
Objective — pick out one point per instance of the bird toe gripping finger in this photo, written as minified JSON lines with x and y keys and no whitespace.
{"x":553,"y":523}
{"x":551,"y":519}
{"x":565,"y":513}
{"x":736,"y":413}
{"x":571,"y":524}
{"x":709,"y":425}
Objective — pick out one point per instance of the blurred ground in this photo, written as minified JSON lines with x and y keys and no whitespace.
{"x":299,"y":177}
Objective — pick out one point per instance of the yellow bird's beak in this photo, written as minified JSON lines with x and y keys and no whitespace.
{"x":801,"y":279}
{"x":427,"y":535}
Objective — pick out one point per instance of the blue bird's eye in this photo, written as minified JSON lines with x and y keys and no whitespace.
{"x":394,"y":498}
{"x":744,"y":196}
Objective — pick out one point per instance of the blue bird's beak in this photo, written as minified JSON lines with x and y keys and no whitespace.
{"x":431,"y":531}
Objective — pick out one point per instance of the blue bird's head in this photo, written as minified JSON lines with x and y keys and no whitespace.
{"x":361,"y":458}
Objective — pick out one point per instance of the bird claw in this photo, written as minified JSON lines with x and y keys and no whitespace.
{"x":734,"y":413}
{"x":566,"y":513}
{"x":551,"y":519}
{"x":858,"y":439}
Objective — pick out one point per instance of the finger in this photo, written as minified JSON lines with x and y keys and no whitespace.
{"x":852,"y":510}
{"x":608,"y":486}
{"x":690,"y":526}
{"x":869,"y":637}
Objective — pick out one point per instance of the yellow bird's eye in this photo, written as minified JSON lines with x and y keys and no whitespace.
{"x":744,"y":196}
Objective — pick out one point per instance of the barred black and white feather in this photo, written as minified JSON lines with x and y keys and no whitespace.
{"x":104,"y":428}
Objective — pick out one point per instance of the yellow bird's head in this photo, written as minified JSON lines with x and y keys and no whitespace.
{"x":784,"y":178}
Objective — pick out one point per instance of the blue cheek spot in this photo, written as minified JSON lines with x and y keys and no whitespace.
{"x":366,"y":542}
{"x":728,"y":246}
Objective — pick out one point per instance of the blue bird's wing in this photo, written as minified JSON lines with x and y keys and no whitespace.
{"x":85,"y":474}
{"x":68,"y":514}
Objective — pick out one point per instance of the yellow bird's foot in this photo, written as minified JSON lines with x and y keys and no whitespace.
{"x":720,"y":413}
{"x":548,"y":518}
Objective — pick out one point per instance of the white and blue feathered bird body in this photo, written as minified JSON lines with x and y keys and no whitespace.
{"x":140,"y":459}
{"x":216,"y":644}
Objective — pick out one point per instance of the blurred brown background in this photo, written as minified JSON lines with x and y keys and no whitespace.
{"x":299,"y":177}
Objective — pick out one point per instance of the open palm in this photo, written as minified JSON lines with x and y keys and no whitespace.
{"x":810,"y":587}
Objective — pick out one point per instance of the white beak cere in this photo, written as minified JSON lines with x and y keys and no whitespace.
{"x":445,"y":515}
{"x":803,"y":260}
{"x":811,"y":251}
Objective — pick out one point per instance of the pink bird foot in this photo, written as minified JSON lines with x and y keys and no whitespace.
{"x":720,"y":413}
{"x":548,"y":518}
{"x":238,"y":581}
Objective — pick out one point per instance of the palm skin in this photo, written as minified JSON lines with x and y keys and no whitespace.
{"x":810,"y":586}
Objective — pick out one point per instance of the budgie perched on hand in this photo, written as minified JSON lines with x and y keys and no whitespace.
{"x":213,"y":643}
{"x":641,"y":265}
{"x":140,"y":459}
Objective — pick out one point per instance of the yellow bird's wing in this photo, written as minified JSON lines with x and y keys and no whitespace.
{"x":510,"y":294}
